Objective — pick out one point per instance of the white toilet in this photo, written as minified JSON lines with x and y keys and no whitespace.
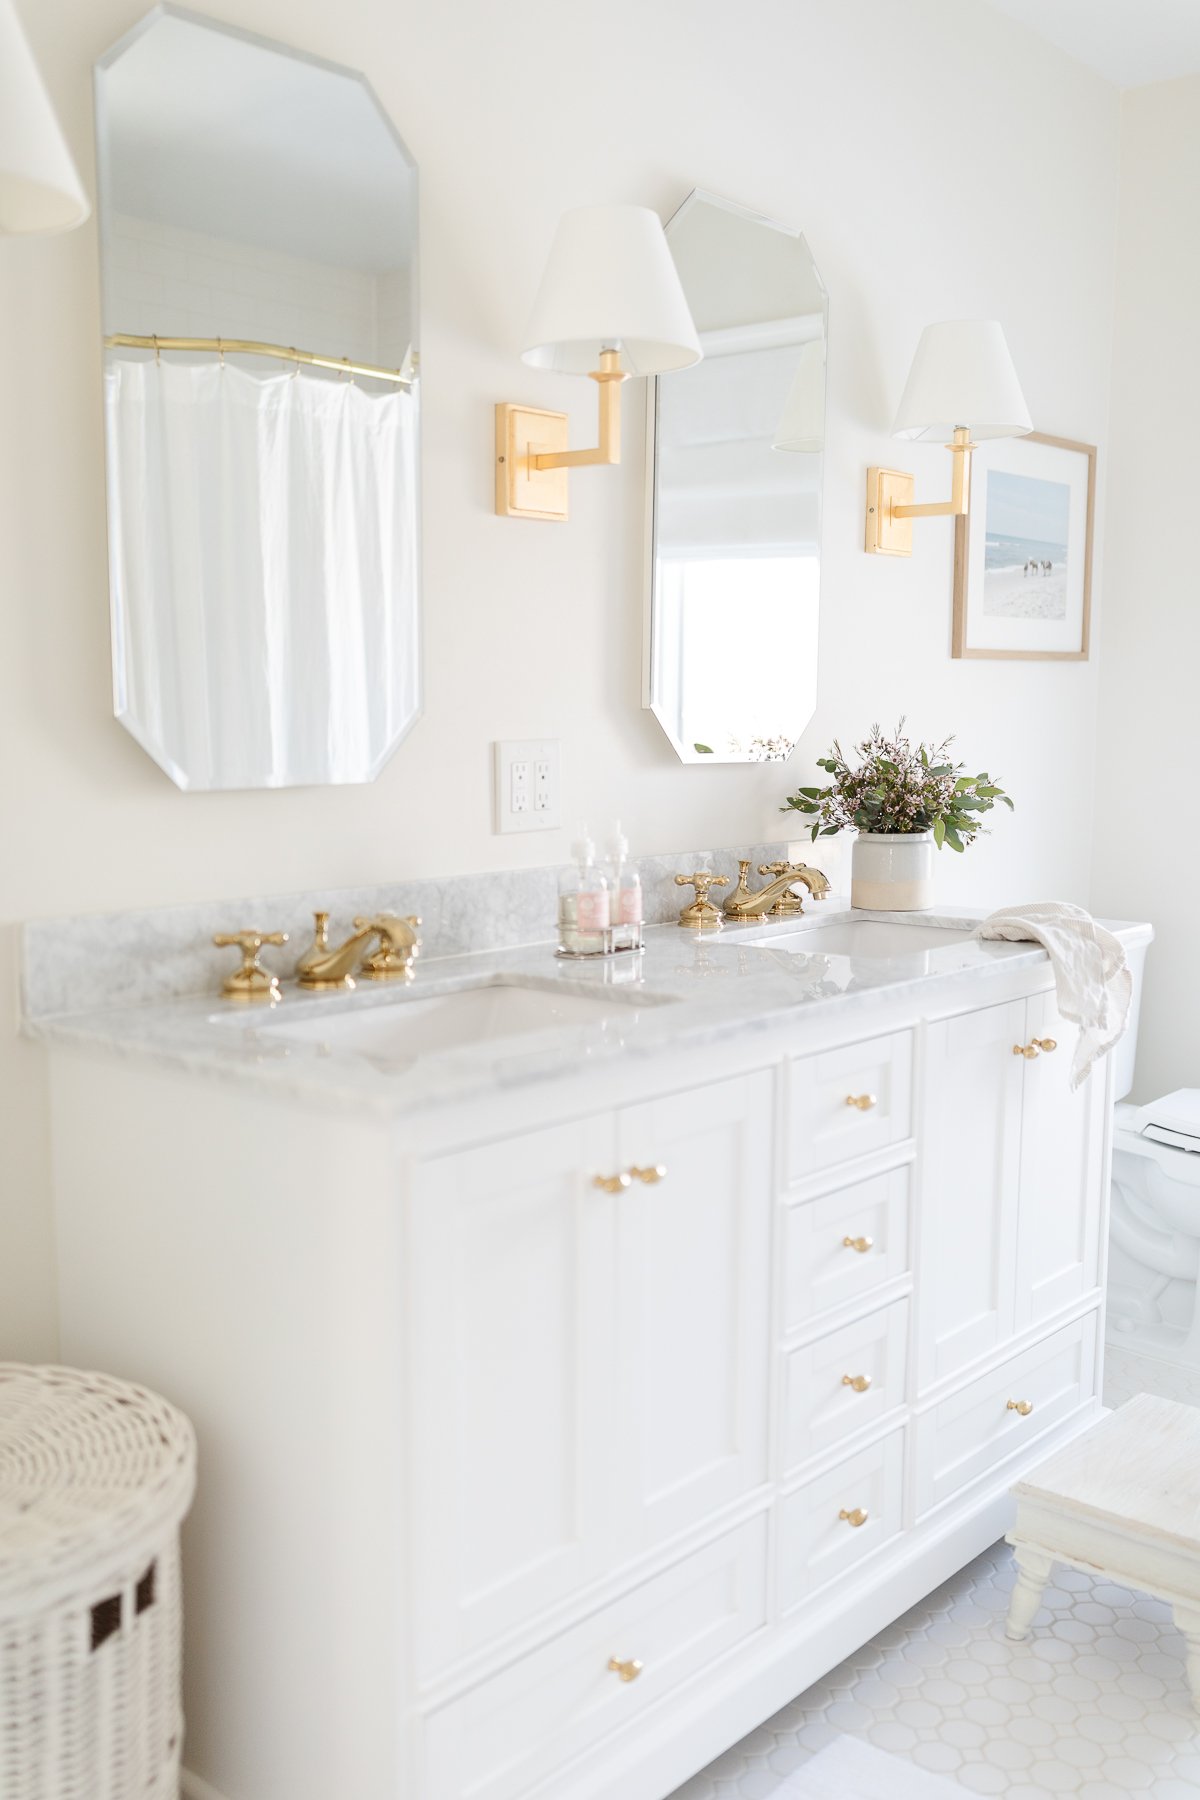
{"x":1155,"y":1228}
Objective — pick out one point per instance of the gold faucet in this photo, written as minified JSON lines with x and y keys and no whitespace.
{"x":398,"y":946}
{"x":701,"y":914}
{"x":777,"y":898}
{"x":251,"y":982}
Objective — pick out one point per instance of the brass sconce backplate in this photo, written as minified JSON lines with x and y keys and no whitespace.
{"x":523,"y":492}
{"x":886,"y":534}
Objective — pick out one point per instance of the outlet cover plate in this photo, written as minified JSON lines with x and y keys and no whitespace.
{"x":544,"y":812}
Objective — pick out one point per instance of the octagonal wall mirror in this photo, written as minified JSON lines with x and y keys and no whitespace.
{"x":258,"y":230}
{"x":734,"y":469}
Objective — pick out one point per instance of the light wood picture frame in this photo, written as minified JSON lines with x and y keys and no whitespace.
{"x":1023,"y":555}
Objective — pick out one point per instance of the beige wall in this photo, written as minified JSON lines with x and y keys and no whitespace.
{"x":1148,"y":764}
{"x":941,"y":160}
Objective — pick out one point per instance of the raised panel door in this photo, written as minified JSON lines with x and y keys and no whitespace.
{"x":511,"y":1288}
{"x":1062,"y":1171}
{"x":969,"y":1170}
{"x":694,"y":1278}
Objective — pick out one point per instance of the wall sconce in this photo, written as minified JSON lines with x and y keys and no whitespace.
{"x":611,"y":305}
{"x":962,"y":380}
{"x":40,"y":189}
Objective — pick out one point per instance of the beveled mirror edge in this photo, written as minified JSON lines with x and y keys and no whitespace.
{"x":650,"y":700}
{"x":168,"y":9}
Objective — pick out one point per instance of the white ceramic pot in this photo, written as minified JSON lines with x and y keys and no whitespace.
{"x":892,"y":872}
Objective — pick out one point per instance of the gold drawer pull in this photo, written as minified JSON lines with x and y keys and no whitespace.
{"x":1031,"y":1049}
{"x":1024,"y":1407}
{"x":858,"y":1517}
{"x":628,"y":1671}
{"x":864,"y":1102}
{"x":860,"y":1383}
{"x":1046,"y":1044}
{"x":1028,"y":1051}
{"x":861,"y":1244}
{"x":656,"y":1172}
{"x":612,"y":1184}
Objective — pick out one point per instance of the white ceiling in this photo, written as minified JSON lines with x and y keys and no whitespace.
{"x":1129,"y":42}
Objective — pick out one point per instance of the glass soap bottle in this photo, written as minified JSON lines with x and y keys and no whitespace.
{"x":625,"y":899}
{"x":583,"y":903}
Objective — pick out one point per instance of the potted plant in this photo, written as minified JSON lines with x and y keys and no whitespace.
{"x":904,"y":802}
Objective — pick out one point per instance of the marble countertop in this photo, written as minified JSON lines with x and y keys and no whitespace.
{"x":685,"y":991}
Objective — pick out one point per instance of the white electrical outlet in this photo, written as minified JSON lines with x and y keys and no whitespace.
{"x":528,"y":791}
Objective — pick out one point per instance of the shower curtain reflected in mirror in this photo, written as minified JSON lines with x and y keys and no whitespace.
{"x":262,"y":541}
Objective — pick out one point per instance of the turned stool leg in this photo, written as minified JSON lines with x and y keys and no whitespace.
{"x":1187,"y":1620}
{"x":1033,"y":1571}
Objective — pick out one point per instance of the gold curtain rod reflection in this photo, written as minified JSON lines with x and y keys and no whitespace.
{"x":250,"y":347}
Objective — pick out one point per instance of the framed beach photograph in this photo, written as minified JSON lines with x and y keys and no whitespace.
{"x":1023,"y":555}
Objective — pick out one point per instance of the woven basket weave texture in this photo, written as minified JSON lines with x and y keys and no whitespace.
{"x":96,"y":1475}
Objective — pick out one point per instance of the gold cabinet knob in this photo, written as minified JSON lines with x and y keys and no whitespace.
{"x":628,"y":1670}
{"x":655,"y":1172}
{"x":1046,"y":1044}
{"x":251,"y":981}
{"x":611,"y":1184}
{"x":864,"y":1102}
{"x":860,"y":1383}
{"x":861,"y":1244}
{"x":859,"y":1516}
{"x":1024,"y":1407}
{"x":1028,"y":1051}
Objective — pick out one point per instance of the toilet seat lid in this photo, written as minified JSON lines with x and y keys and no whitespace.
{"x":1175,"y":1119}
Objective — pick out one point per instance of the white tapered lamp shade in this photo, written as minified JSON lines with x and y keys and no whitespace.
{"x":610,"y":284}
{"x":802,"y":427}
{"x":40,"y":189}
{"x":962,"y":374}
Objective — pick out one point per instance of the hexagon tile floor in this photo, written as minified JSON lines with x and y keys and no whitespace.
{"x":1094,"y":1705}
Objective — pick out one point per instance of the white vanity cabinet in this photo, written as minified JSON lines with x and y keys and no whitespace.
{"x":549,"y":1444}
{"x":590,"y":1369}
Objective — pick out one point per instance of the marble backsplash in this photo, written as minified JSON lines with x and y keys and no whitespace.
{"x":101,"y":960}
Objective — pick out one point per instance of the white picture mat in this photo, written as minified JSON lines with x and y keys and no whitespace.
{"x":1045,"y":462}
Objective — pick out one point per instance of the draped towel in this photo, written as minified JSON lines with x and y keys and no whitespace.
{"x":1091,"y":971}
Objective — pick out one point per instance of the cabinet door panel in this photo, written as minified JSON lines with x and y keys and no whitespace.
{"x":695,"y":1304}
{"x":843,"y":1382}
{"x":822,"y":1128}
{"x":1062,"y":1169}
{"x":823,"y":1272}
{"x":970,"y":1156}
{"x":511,"y":1287}
{"x":818,"y":1540}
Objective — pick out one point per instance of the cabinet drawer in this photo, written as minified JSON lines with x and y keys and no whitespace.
{"x":824,"y":1128}
{"x":822,"y":1271}
{"x":511,"y":1732}
{"x":816,"y":1544}
{"x":968,"y":1433}
{"x":844,"y":1381}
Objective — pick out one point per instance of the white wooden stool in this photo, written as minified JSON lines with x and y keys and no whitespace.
{"x":1122,"y":1500}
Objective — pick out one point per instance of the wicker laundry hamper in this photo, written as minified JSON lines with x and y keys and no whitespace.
{"x":95,"y":1477}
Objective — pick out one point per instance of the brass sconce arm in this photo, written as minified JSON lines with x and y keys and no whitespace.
{"x":609,"y":375}
{"x":890,"y":506}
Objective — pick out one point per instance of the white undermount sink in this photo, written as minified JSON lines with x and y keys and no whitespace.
{"x":412,"y":1025}
{"x":879,"y":939}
